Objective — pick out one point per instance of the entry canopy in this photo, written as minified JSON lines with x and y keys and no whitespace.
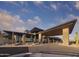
{"x":57,"y":30}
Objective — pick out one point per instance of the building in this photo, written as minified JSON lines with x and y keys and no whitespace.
{"x":15,"y":37}
{"x":63,"y":29}
{"x":35,"y":31}
{"x":39,"y":36}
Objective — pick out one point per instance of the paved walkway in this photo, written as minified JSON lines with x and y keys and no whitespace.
{"x":55,"y":49}
{"x":50,"y":48}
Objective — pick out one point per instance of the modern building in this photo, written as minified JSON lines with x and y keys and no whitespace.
{"x":14,"y":37}
{"x":40,"y":35}
{"x":63,"y":29}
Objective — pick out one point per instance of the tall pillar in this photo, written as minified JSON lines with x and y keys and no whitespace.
{"x":15,"y":39}
{"x":23,"y":41}
{"x":43,"y":38}
{"x":1,"y":38}
{"x":34,"y":40}
{"x":76,"y":38}
{"x":40,"y":37}
{"x":48,"y":40}
{"x":66,"y":36}
{"x":31,"y":38}
{"x":12,"y":37}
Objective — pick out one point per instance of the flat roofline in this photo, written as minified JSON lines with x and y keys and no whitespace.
{"x":14,"y":32}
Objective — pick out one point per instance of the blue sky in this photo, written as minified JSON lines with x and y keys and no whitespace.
{"x":21,"y":15}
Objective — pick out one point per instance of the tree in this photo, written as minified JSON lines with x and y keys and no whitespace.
{"x":76,"y":38}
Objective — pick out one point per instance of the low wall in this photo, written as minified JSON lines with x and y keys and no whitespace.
{"x":4,"y":51}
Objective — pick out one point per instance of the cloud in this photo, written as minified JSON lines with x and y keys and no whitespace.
{"x":59,"y":5}
{"x":67,"y":18}
{"x":12,"y":2}
{"x":21,"y":6}
{"x":77,"y":5}
{"x":36,"y":21}
{"x":42,"y":5}
{"x":24,"y":11}
{"x":53,"y":6}
{"x":68,"y":7}
{"x":17,"y":3}
{"x":15,"y":23}
{"x":21,"y":2}
{"x":11,"y":22}
{"x":21,"y":29}
{"x":38,"y":2}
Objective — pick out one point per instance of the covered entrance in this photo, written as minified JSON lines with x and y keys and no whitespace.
{"x":15,"y":37}
{"x":63,"y":29}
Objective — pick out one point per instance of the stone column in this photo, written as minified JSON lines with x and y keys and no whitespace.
{"x":1,"y":35}
{"x":66,"y":36}
{"x":15,"y":38}
{"x":43,"y":38}
{"x":12,"y":37}
{"x":40,"y":37}
{"x":34,"y":39}
{"x":1,"y":38}
{"x":31,"y":37}
{"x":48,"y":40}
{"x":76,"y":38}
{"x":23,"y":41}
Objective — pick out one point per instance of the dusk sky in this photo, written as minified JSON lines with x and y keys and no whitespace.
{"x":21,"y":15}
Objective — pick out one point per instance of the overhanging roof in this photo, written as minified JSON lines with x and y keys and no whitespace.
{"x":10,"y":32}
{"x":57,"y":30}
{"x":36,"y":30}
